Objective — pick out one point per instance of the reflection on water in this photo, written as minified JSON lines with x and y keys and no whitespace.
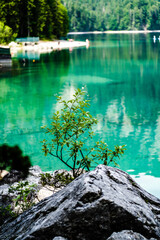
{"x":150,"y":183}
{"x":121,"y":74}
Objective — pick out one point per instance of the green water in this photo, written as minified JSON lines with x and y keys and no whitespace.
{"x":121,"y":73}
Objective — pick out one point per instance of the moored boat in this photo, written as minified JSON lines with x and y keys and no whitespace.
{"x":5,"y":53}
{"x":5,"y":57}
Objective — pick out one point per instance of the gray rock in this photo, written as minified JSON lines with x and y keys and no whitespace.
{"x":93,"y":206}
{"x":127,"y":235}
{"x":35,"y":171}
{"x":59,"y":238}
{"x":34,"y":175}
{"x":12,"y":177}
{"x":5,"y":200}
{"x":4,"y":189}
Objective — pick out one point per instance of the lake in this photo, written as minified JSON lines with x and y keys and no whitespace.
{"x":120,"y":72}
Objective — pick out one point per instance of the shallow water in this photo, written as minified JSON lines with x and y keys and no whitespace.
{"x":121,"y":73}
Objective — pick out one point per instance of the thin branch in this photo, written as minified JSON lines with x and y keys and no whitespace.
{"x":83,"y":158}
{"x":61,"y":160}
{"x":74,"y":165}
{"x":57,"y":148}
{"x":68,"y":159}
{"x":61,"y":152}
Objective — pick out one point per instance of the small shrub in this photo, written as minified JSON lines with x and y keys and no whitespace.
{"x":63,"y":178}
{"x":45,"y":179}
{"x":60,"y":179}
{"x":25,"y":195}
{"x":69,"y":130}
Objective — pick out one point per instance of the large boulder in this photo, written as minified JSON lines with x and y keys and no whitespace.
{"x":93,"y":206}
{"x":127,"y":235}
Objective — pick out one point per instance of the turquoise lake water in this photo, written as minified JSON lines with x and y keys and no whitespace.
{"x":121,"y":73}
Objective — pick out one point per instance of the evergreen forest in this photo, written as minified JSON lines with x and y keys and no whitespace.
{"x":51,"y":19}
{"x":43,"y":18}
{"x":102,"y":15}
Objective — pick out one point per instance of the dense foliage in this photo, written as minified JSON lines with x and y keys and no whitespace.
{"x":25,"y":195}
{"x":6,"y":33}
{"x":89,"y":15}
{"x":70,"y":129}
{"x":43,"y":18}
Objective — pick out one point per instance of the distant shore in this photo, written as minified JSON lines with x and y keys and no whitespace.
{"x":116,"y":32}
{"x":69,"y":44}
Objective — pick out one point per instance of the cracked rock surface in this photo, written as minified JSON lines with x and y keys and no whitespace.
{"x":93,"y":206}
{"x":127,"y":235}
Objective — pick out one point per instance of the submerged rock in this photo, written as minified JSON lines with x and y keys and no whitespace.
{"x":93,"y":206}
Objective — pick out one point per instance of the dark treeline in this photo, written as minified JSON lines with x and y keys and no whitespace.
{"x":43,"y":18}
{"x":101,"y":15}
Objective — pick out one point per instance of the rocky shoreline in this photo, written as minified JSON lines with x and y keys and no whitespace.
{"x":102,"y":204}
